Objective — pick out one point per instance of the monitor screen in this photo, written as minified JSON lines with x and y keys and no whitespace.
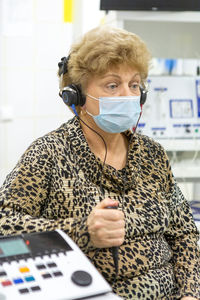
{"x":163,"y":5}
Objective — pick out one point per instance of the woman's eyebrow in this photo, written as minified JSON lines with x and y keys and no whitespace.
{"x":118,"y":76}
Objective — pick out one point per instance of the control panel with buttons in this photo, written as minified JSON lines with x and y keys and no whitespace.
{"x":47,"y":265}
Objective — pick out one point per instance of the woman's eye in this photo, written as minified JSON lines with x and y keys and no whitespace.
{"x":135,"y":86}
{"x":112,"y":86}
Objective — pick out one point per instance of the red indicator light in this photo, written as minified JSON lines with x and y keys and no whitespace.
{"x":27,"y":242}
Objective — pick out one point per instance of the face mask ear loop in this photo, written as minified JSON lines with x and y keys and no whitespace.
{"x":97,"y":99}
{"x":92,"y":97}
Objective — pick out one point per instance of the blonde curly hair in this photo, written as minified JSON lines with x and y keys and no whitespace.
{"x":103,"y":48}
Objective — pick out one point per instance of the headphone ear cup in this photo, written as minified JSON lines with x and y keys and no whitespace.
{"x":68,"y":97}
{"x":80,"y":97}
{"x":72,"y":95}
{"x":143,"y":96}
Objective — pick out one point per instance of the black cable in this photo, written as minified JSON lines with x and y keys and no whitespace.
{"x":114,"y":250}
{"x":198,"y":70}
{"x":134,"y":129}
{"x":106,"y":151}
{"x":64,"y":65}
{"x":115,"y":255}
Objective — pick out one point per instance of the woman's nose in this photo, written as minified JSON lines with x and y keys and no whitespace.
{"x":125,"y":90}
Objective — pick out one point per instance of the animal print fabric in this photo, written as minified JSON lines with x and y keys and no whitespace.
{"x":56,"y":184}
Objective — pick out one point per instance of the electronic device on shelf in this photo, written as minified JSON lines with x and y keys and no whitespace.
{"x":172,"y":109}
{"x":167,"y":5}
{"x":50,"y":266}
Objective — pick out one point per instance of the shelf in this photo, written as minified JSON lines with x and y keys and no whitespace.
{"x":167,"y":34}
{"x":180,"y":144}
{"x":186,"y":173}
{"x":185,"y":162}
{"x":156,"y":16}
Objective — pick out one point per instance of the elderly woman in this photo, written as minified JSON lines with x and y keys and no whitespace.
{"x":68,"y":178}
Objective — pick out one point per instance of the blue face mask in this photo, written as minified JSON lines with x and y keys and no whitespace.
{"x":117,"y":114}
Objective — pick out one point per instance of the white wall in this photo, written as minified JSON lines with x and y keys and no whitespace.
{"x":33,"y":38}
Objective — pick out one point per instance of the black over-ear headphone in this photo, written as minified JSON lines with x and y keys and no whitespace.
{"x":143,"y":95}
{"x":72,"y":94}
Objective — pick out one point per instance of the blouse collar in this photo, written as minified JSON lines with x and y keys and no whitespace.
{"x":92,"y":166}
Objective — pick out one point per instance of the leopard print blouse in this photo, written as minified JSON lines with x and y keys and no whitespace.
{"x":56,"y":184}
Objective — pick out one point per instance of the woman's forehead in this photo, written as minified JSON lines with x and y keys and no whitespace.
{"x":123,"y":72}
{"x":122,"y":68}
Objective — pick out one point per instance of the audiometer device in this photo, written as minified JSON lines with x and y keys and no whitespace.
{"x":50,"y":266}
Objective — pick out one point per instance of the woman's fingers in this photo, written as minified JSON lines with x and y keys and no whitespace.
{"x":106,"y":226}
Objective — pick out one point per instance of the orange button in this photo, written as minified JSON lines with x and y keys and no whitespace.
{"x":24,"y":270}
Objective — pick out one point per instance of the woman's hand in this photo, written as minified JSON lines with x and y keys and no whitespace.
{"x":106,"y":226}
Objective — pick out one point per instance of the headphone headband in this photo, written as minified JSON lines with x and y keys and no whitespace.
{"x":71,"y":94}
{"x":63,"y":65}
